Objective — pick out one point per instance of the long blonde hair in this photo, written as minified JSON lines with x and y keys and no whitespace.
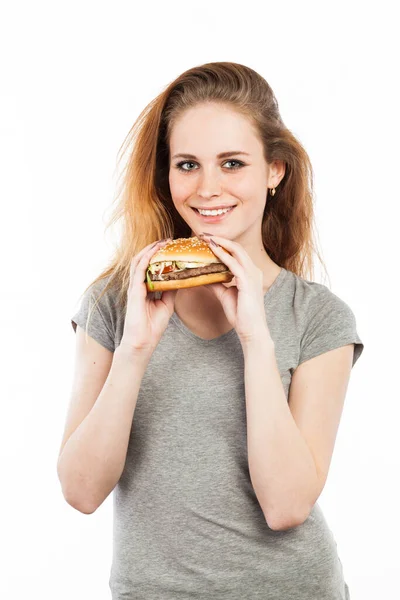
{"x":143,"y":202}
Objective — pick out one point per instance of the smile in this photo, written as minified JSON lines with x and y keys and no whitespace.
{"x":213,"y":216}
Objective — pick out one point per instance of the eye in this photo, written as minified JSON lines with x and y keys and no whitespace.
{"x":238,"y":164}
{"x":179,"y":166}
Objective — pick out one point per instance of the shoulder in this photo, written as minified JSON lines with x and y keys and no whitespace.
{"x":103,"y":293}
{"x":323,"y":319}
{"x":97,"y":287}
{"x":311,"y":299}
{"x":100,"y":301}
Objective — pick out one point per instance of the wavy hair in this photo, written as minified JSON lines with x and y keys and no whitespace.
{"x":144,"y":205}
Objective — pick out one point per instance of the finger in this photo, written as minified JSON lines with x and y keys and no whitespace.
{"x":217,"y":289}
{"x":144,"y":250}
{"x":233,"y":248}
{"x":148,"y":251}
{"x":139,"y":275}
{"x":231,"y":261}
{"x":168,"y":297}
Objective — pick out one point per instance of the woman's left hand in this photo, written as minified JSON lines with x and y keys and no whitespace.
{"x":243,"y":303}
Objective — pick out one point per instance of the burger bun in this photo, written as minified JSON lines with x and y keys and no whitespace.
{"x":176,"y":284}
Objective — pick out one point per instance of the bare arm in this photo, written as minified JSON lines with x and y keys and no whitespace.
{"x":282,"y":469}
{"x":93,"y":458}
{"x":291,"y":443}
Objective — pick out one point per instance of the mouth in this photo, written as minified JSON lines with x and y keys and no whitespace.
{"x":214,"y":216}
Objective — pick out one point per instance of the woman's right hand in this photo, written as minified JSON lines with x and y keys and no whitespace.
{"x":146,"y":319}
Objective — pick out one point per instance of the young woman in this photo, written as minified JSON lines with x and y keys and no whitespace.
{"x":212,"y":411}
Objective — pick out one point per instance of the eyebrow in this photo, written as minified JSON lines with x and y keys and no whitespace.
{"x":221,"y":155}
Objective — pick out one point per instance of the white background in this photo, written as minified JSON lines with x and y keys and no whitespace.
{"x":74,"y":77}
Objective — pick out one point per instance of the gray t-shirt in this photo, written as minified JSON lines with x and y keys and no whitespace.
{"x":187,"y":522}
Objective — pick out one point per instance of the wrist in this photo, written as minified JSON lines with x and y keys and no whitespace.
{"x":261,"y":341}
{"x":128,"y":352}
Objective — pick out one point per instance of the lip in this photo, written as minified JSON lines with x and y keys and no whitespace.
{"x":213,"y":218}
{"x":214,"y":207}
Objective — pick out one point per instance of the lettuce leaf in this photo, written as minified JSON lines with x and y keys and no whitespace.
{"x":149,"y":281}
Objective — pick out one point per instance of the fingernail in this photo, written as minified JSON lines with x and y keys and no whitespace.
{"x":162,"y":241}
{"x":205,"y":233}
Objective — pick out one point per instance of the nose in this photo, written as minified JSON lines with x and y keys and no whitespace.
{"x":209,"y":184}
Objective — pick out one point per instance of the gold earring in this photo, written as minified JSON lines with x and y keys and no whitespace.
{"x":272,"y":191}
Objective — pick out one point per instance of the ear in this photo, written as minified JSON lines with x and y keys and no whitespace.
{"x":277,"y":171}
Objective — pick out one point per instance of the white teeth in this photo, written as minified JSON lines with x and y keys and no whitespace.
{"x":214,"y":212}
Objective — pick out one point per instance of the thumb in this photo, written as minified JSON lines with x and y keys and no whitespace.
{"x":168,"y":297}
{"x":216,"y":288}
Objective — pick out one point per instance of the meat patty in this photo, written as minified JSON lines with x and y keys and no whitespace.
{"x":211,"y":268}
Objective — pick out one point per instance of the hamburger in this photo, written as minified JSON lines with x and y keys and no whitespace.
{"x":184,"y":263}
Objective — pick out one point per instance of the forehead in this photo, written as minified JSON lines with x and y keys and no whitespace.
{"x":212,"y":128}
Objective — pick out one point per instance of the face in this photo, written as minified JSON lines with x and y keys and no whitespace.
{"x":202,"y":179}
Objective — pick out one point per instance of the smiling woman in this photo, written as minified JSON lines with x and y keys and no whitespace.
{"x":215,"y":420}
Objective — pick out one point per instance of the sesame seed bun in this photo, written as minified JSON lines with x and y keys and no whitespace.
{"x":187,"y":250}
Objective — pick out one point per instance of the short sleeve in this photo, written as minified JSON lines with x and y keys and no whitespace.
{"x":100,"y":324}
{"x":333,"y":325}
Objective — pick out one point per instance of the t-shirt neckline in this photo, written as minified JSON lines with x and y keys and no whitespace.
{"x":267,"y":298}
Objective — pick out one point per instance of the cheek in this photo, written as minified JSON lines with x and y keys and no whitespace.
{"x":180,"y":188}
{"x":244,"y":184}
{"x":250,"y":187}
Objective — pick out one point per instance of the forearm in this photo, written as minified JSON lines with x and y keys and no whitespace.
{"x":282,"y":469}
{"x":93,"y":458}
